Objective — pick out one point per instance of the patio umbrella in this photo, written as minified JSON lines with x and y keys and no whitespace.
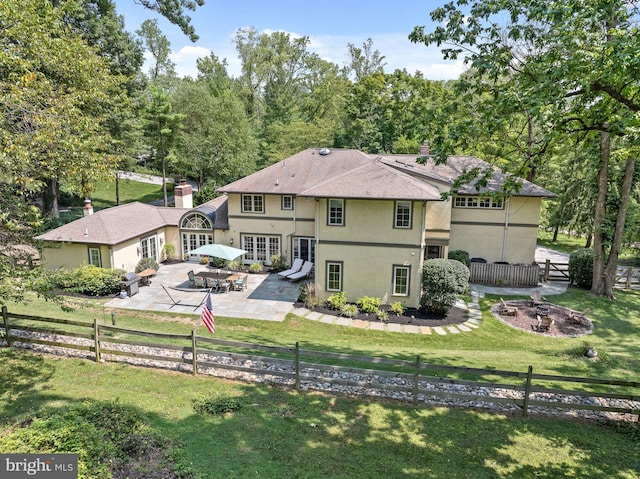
{"x":219,"y":251}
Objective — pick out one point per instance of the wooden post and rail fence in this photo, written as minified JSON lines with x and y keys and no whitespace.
{"x":411,"y":379}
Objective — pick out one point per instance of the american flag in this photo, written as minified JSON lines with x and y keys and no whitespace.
{"x":207,"y":315}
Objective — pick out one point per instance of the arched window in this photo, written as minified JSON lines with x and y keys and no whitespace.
{"x":196,"y":221}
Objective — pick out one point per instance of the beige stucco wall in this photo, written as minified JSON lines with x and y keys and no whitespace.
{"x":71,"y":256}
{"x":368,"y":246}
{"x":507,"y":234}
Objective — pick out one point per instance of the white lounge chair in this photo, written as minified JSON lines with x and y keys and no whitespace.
{"x":295,"y":267}
{"x":303,"y":273}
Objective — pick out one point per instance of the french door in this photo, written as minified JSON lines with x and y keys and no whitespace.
{"x":304,"y":248}
{"x":260,"y":248}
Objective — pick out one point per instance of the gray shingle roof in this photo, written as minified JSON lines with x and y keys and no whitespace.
{"x":115,"y":225}
{"x":354,"y":174}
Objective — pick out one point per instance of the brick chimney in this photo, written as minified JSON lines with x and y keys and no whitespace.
{"x":87,"y":209}
{"x":424,"y":149}
{"x":183,"y":194}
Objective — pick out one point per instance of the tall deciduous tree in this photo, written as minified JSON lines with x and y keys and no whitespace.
{"x":176,"y":12}
{"x":55,"y":93}
{"x":160,"y":47}
{"x":576,"y":63}
{"x":162,"y":128}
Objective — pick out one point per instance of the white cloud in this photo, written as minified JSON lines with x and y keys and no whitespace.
{"x":398,"y":52}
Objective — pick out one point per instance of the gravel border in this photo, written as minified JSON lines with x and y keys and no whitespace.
{"x":309,"y":380}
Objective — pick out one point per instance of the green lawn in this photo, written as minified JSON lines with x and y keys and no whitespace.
{"x":567,"y":244}
{"x":279,"y":433}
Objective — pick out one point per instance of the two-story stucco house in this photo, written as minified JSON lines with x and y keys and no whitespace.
{"x":366,"y":221}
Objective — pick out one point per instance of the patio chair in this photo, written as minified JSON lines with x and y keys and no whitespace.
{"x":578,"y":317}
{"x":537,"y":298}
{"x":200,"y":282}
{"x":240,"y":284}
{"x":544,"y":323}
{"x":295,"y":267}
{"x":303,"y":273}
{"x":224,"y":286}
{"x":507,"y":310}
{"x":192,"y":279}
{"x":213,"y":284}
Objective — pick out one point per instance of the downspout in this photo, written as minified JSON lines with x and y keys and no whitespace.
{"x":295,"y":224}
{"x":317,"y":245}
{"x":505,"y":237}
{"x":423,"y":244}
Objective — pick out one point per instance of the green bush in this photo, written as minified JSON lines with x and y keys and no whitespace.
{"x":234,"y":265}
{"x":107,"y":437}
{"x":309,"y":296}
{"x":168,"y":251}
{"x":255,"y":268}
{"x":146,"y":263}
{"x":382,"y":315}
{"x":278,"y":263}
{"x":397,"y":308}
{"x":581,"y":268}
{"x":348,"y":310}
{"x":90,"y":280}
{"x":442,"y":281}
{"x":337,"y":300}
{"x":369,"y":304}
{"x":217,"y":405}
{"x":460,"y":255}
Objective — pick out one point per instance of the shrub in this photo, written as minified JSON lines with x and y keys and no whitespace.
{"x":217,"y":405}
{"x":369,"y":304}
{"x":308,"y":295}
{"x":145,"y":263}
{"x":278,"y":263}
{"x":90,"y":280}
{"x":234,"y":265}
{"x":382,"y":315}
{"x":459,"y":255}
{"x":348,"y":310}
{"x":337,"y":300}
{"x":397,"y":308}
{"x":442,"y":281}
{"x":168,"y":250}
{"x":255,"y":268}
{"x":581,"y":268}
{"x":204,"y":260}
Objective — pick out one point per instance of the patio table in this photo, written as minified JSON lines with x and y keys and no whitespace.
{"x":145,"y":276}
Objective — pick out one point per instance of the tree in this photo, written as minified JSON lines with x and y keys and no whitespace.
{"x":364,"y":61}
{"x":576,"y":65}
{"x":160,"y":49}
{"x":55,"y":93}
{"x":174,"y":11}
{"x":161,"y":128}
{"x":218,"y":143}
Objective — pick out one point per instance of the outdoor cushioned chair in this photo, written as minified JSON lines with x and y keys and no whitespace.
{"x":199,"y":282}
{"x":213,"y":284}
{"x":295,"y":267}
{"x":240,"y":284}
{"x":303,"y":273}
{"x":192,"y":279}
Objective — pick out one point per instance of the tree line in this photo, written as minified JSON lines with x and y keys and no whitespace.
{"x":550,"y":95}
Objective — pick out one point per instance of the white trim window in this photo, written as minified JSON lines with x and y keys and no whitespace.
{"x":402,"y":216}
{"x":94,"y":257}
{"x":401,"y":275}
{"x":483,"y":202}
{"x":334,"y":276}
{"x":335,"y":212}
{"x":253,"y":203}
{"x":287,"y":202}
{"x":260,"y":248}
{"x":149,"y":247}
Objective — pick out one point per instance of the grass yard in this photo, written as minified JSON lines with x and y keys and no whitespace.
{"x":279,"y":433}
{"x":568,"y":243}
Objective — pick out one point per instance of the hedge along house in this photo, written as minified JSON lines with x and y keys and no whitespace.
{"x":368,"y":222}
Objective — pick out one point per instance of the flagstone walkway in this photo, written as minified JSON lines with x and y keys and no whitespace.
{"x":269,"y":299}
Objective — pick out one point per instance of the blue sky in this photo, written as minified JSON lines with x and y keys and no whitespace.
{"x":329,"y":24}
